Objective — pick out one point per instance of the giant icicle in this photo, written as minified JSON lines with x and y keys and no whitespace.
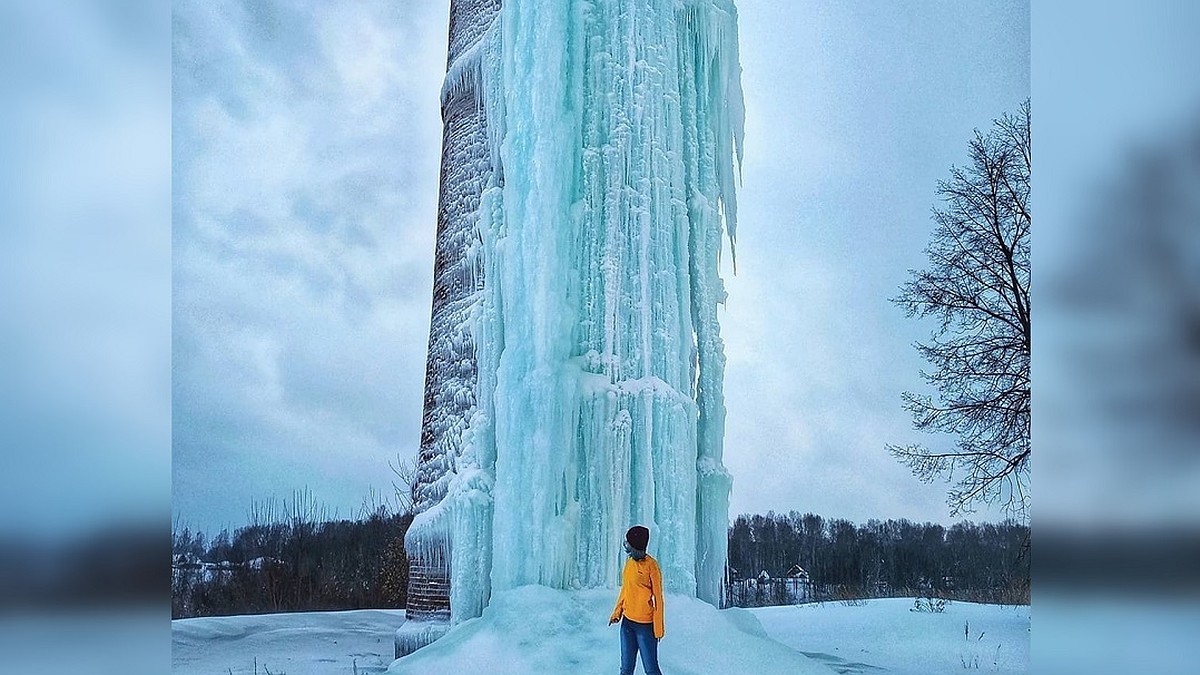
{"x":594,"y":184}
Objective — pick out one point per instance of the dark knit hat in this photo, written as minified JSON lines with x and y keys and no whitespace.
{"x":638,"y":537}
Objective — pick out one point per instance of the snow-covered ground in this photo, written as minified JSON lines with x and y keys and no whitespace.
{"x":303,"y":643}
{"x":540,"y":630}
{"x":534,"y":629}
{"x":884,"y":636}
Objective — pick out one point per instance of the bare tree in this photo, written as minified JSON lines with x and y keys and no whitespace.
{"x":977,"y":287}
{"x":405,"y":472}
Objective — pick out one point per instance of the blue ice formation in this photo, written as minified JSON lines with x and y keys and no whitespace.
{"x":574,"y":382}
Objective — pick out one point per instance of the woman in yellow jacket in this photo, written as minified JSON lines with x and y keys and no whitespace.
{"x":641,"y":604}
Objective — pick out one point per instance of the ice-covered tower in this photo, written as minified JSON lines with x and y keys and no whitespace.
{"x":451,"y":372}
{"x":451,"y":367}
{"x":576,"y":364}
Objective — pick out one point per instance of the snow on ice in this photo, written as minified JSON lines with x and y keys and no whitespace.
{"x":535,"y":629}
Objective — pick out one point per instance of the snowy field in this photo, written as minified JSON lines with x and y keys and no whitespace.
{"x":303,"y":643}
{"x":884,"y":636}
{"x":539,"y":630}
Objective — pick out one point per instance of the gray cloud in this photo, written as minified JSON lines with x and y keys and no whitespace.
{"x":305,"y":187}
{"x":306,"y":164}
{"x":854,"y":112}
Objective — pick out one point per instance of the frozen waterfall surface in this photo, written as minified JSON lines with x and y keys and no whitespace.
{"x":574,"y":385}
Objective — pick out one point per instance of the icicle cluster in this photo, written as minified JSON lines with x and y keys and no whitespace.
{"x":599,"y":185}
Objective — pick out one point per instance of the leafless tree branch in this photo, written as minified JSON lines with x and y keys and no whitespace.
{"x":977,"y":287}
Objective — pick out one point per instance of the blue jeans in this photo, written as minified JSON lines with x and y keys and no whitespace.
{"x":638,"y":637}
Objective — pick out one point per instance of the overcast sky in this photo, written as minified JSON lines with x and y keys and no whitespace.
{"x":306,"y":150}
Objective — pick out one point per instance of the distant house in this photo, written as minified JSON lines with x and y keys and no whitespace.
{"x":793,"y":587}
{"x":798,"y":584}
{"x":797,"y":572}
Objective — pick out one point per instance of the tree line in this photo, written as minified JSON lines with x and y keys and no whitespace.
{"x":294,"y":559}
{"x":298,"y":559}
{"x":982,"y":562}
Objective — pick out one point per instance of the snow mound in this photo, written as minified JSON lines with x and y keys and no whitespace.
{"x":536,"y":629}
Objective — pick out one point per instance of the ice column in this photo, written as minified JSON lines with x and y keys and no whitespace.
{"x":576,"y":364}
{"x":621,"y":125}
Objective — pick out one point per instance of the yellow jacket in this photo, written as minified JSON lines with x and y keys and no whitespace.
{"x":641,"y":597}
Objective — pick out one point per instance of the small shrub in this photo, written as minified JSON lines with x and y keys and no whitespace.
{"x":849,"y":596}
{"x":930,"y":605}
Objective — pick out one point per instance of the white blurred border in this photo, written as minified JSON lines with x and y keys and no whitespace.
{"x":85,"y":264}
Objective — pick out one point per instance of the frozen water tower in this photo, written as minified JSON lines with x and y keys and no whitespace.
{"x":574,"y":376}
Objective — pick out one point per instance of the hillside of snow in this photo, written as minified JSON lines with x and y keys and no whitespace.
{"x":534,"y":629}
